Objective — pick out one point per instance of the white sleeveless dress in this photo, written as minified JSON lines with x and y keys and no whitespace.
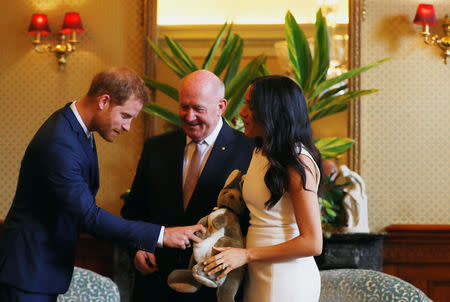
{"x":293,"y":280}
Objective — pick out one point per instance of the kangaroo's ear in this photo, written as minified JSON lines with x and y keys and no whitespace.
{"x":241,"y":182}
{"x":233,"y":179}
{"x":219,"y":221}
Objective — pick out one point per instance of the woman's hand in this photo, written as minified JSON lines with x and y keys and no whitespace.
{"x":228,"y":259}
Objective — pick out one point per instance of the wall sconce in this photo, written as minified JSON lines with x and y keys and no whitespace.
{"x":425,"y":16}
{"x":71,"y":26}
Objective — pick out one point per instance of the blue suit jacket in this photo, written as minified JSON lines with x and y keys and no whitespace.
{"x":54,"y":201}
{"x":157,"y":191}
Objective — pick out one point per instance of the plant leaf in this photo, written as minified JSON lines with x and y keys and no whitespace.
{"x":333,"y":81}
{"x":167,"y":59}
{"x":164,"y":88}
{"x":264,"y":71}
{"x":329,"y":110}
{"x":335,"y":104}
{"x":214,"y":47}
{"x":165,"y":114}
{"x":298,"y":48}
{"x":186,"y":56}
{"x":227,"y":37}
{"x":332,"y":92}
{"x":330,"y":212}
{"x":321,"y":60}
{"x":330,"y":147}
{"x":180,"y":55}
{"x":337,"y":100}
{"x":225,"y":56}
{"x":235,"y":91}
{"x":234,"y":63}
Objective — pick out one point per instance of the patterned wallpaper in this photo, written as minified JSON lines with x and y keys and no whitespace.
{"x":405,"y":126}
{"x":32,"y":86}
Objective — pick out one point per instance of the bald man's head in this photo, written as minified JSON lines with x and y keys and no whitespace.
{"x":202,"y":103}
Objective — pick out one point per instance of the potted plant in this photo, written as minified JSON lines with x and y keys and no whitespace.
{"x":324,"y":97}
{"x":227,"y":65}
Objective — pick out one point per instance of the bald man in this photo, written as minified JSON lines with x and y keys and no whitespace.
{"x":159,"y":193}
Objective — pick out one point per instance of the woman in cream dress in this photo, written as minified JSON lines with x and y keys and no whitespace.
{"x":280,"y":190}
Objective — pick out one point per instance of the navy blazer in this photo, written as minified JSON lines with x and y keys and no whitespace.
{"x":157,"y":191}
{"x":54,"y":201}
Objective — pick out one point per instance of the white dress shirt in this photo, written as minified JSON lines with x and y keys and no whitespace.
{"x":77,"y":115}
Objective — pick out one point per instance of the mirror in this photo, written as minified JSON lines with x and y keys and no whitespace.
{"x":196,"y":39}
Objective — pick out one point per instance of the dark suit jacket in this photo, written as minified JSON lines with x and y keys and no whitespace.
{"x":157,"y":193}
{"x":54,"y":201}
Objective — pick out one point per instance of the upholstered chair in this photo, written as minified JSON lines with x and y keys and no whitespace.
{"x":359,"y":285}
{"x":88,"y":286}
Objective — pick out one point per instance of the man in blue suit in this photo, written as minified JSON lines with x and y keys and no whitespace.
{"x":55,"y":196}
{"x":159,"y":192}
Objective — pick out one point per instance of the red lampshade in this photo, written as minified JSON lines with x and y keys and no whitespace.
{"x":72,"y":22}
{"x":39,"y":24}
{"x":425,"y":15}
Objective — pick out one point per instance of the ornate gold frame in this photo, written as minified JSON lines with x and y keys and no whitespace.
{"x":149,"y":11}
{"x":357,"y":13}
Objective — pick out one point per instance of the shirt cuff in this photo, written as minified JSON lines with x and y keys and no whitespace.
{"x":161,"y":237}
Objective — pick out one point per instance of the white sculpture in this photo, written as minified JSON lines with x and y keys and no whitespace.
{"x":355,"y":202}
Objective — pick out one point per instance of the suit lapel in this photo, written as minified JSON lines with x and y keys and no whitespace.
{"x":178,"y":155}
{"x":216,"y":160}
{"x":95,"y":174}
{"x":90,"y":152}
{"x":219,"y":153}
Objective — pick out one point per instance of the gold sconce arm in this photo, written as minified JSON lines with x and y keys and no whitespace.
{"x":61,"y":50}
{"x":72,"y":25}
{"x":425,"y":16}
{"x":444,"y":42}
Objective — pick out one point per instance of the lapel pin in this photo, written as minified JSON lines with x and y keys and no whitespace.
{"x":223,"y":148}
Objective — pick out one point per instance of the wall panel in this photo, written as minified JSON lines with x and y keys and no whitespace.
{"x":32,"y":86}
{"x":405,"y":160}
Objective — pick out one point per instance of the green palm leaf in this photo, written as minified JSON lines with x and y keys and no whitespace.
{"x":332,"y":92}
{"x":335,"y":104}
{"x":330,"y":147}
{"x":263,"y":71}
{"x":333,"y":81}
{"x":163,"y":113}
{"x":214,"y":47}
{"x":164,"y":88}
{"x":299,"y":53}
{"x":235,"y":61}
{"x":225,"y":56}
{"x":227,"y":37}
{"x":321,"y":60}
{"x":235,"y":91}
{"x":329,"y":110}
{"x":167,"y":59}
{"x":338,"y":100}
{"x":180,"y":55}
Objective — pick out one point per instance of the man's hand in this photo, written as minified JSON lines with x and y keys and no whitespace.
{"x":179,"y":236}
{"x":145,"y":262}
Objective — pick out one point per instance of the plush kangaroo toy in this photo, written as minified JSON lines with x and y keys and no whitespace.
{"x":223,"y":230}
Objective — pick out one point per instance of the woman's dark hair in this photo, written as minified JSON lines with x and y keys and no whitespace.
{"x":279,"y":106}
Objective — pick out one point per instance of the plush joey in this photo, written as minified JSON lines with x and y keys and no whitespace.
{"x":223,"y":230}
